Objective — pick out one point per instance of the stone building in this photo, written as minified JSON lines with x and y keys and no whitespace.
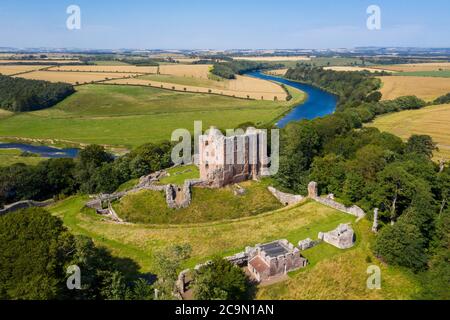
{"x":343,"y":237}
{"x":273,"y":259}
{"x":225,"y":160}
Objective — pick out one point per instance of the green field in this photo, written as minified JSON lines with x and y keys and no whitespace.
{"x":178,"y":175}
{"x":339,"y":273}
{"x":11,"y":156}
{"x":131,"y":115}
{"x":207,"y":205}
{"x":440,"y":74}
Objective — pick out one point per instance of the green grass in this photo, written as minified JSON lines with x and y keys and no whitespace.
{"x":441,"y":74}
{"x":179,"y":174}
{"x":131,"y":116}
{"x":9,"y":157}
{"x":332,"y":274}
{"x":207,"y":205}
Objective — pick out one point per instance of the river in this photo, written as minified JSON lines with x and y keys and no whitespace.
{"x":43,"y":151}
{"x":318,"y":104}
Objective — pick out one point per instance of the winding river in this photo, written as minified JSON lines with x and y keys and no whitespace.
{"x":43,"y":151}
{"x":319,"y":103}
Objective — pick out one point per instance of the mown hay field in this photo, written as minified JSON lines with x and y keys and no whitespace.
{"x":107,"y":68}
{"x":427,"y":88}
{"x":350,"y":68}
{"x":133,"y":115}
{"x":274,"y":58}
{"x":411,"y":67}
{"x":9,"y":70}
{"x":73,"y":77}
{"x":200,"y":71}
{"x":433,"y":121}
{"x":241,"y":87}
{"x":343,"y":271}
{"x":277,"y":72}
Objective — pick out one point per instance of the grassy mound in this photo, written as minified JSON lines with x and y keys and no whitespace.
{"x":207,"y":204}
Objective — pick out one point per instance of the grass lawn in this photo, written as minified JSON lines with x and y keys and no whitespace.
{"x":433,"y":121}
{"x":179,"y":174}
{"x":131,"y":116}
{"x":332,"y":274}
{"x":207,"y":205}
{"x":9,"y":157}
{"x":335,"y":274}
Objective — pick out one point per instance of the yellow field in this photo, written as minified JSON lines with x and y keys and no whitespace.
{"x":241,"y":87}
{"x":427,"y":88}
{"x":73,"y":77}
{"x":273,"y":59}
{"x":432,"y":66}
{"x":433,"y":121}
{"x":349,"y":68}
{"x":97,"y":68}
{"x":40,"y":61}
{"x":200,"y":71}
{"x":11,"y":70}
{"x":277,"y":72}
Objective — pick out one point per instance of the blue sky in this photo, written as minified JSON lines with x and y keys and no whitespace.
{"x":202,"y":24}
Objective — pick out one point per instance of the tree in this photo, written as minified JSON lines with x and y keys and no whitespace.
{"x":421,"y":144}
{"x":168,"y":262}
{"x":34,"y":248}
{"x":402,"y":244}
{"x":220,"y":279}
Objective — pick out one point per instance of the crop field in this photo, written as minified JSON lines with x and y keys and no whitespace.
{"x":433,"y":121}
{"x":131,"y":116}
{"x":277,"y":72}
{"x":350,"y":68}
{"x":73,"y":77}
{"x":241,"y":87}
{"x":346,"y":268}
{"x":274,"y":58}
{"x":442,"y":74}
{"x":107,"y":68}
{"x":414,"y":67}
{"x":9,"y":70}
{"x":427,"y":88}
{"x":200,"y":71}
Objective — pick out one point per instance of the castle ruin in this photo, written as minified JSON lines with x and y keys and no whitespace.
{"x":225,"y":160}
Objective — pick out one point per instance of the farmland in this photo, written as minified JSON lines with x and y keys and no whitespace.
{"x":9,"y":70}
{"x":107,"y":68}
{"x":73,"y":77}
{"x":11,"y":156}
{"x":241,"y":87}
{"x":139,"y":242}
{"x":414,"y":67}
{"x":433,"y":121}
{"x":130,"y":116}
{"x":274,"y":58}
{"x":427,"y":88}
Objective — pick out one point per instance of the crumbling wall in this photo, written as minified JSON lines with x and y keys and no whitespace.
{"x":25,"y":204}
{"x":343,"y":237}
{"x":286,"y":199}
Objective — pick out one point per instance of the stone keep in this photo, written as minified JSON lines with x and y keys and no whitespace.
{"x":225,"y":160}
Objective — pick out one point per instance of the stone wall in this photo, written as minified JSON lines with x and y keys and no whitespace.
{"x":285,"y":198}
{"x":353,"y":210}
{"x":24,"y":205}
